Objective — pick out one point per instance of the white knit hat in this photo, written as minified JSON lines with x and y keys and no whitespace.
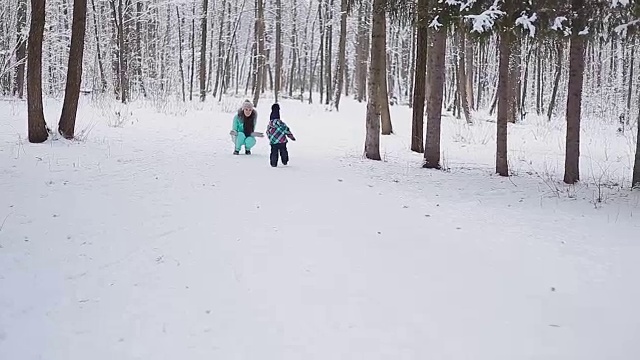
{"x":247,"y":105}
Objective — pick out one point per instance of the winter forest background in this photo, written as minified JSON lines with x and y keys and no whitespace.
{"x":514,"y":61}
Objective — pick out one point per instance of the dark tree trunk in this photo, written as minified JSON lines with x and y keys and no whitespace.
{"x":277,"y":81}
{"x":383,"y":94}
{"x":504,"y":104}
{"x":66,"y":126}
{"x":419,"y":88}
{"x":436,"y":75}
{"x":37,"y":127}
{"x":574,"y":97}
{"x":180,"y":58}
{"x":556,"y":82}
{"x":203,"y":51}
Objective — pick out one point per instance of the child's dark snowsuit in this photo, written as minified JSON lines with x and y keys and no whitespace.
{"x":278,"y":132}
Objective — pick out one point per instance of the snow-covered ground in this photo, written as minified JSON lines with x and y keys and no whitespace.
{"x":152,"y":241}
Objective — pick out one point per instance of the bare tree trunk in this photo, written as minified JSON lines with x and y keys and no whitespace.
{"x":556,"y":82}
{"x":635,"y":182}
{"x":66,"y":126}
{"x":362,"y":55}
{"x":342,"y":50}
{"x":372,"y":141}
{"x":103,"y":79}
{"x":278,"y":73}
{"x":203,"y":51}
{"x":463,"y":80}
{"x":504,"y":103}
{"x":193,"y":52}
{"x":37,"y":127}
{"x":469,"y":71}
{"x":574,"y":97}
{"x":539,"y":82}
{"x":631,"y":74}
{"x":260,"y":51}
{"x":419,"y":89}
{"x":329,"y":49}
{"x":181,"y":60}
{"x":385,"y":114}
{"x":21,"y":51}
{"x":436,"y":76}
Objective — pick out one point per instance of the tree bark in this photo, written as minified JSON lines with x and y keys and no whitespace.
{"x":463,"y":80}
{"x":635,"y":182}
{"x":504,"y":104}
{"x":66,"y":126}
{"x":342,"y":49}
{"x":383,"y":94}
{"x":419,"y":88}
{"x":372,"y":141}
{"x":103,"y":79}
{"x":21,"y":51}
{"x":574,"y":97}
{"x":180,"y":59}
{"x":278,"y":73}
{"x":260,"y":51}
{"x":203,"y":51}
{"x":37,"y":127}
{"x":436,"y":76}
{"x":556,"y":82}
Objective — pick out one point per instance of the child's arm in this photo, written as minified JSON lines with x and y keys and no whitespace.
{"x":288,"y":131}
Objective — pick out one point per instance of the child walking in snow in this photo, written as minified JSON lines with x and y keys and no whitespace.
{"x":278,"y":132}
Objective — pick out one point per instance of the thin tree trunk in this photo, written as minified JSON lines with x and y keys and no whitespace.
{"x":419,"y":89}
{"x":574,"y":97}
{"x":463,"y":80}
{"x":556,"y":82}
{"x":66,"y":126}
{"x":181,"y":60}
{"x":37,"y":127}
{"x":631,"y":74}
{"x":259,"y":23}
{"x":635,"y":182}
{"x":372,"y":141}
{"x":193,"y":52}
{"x":504,"y":103}
{"x":385,"y":114}
{"x":203,"y":51}
{"x":103,"y":79}
{"x":342,"y":49}
{"x":469,"y":71}
{"x":278,"y":71}
{"x":328,"y":53}
{"x":21,"y":51}
{"x":436,"y":76}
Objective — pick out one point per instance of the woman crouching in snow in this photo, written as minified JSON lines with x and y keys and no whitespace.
{"x":244,"y":124}
{"x":278,"y":132}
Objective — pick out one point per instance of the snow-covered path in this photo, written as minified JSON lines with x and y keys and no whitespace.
{"x":154,"y":242}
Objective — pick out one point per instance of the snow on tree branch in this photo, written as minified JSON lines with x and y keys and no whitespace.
{"x":527,"y":23}
{"x":615,"y":3}
{"x":622,"y":29}
{"x":486,"y":20}
{"x":435,"y":23}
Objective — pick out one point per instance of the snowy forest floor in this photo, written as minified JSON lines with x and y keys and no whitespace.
{"x":148,"y":239}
